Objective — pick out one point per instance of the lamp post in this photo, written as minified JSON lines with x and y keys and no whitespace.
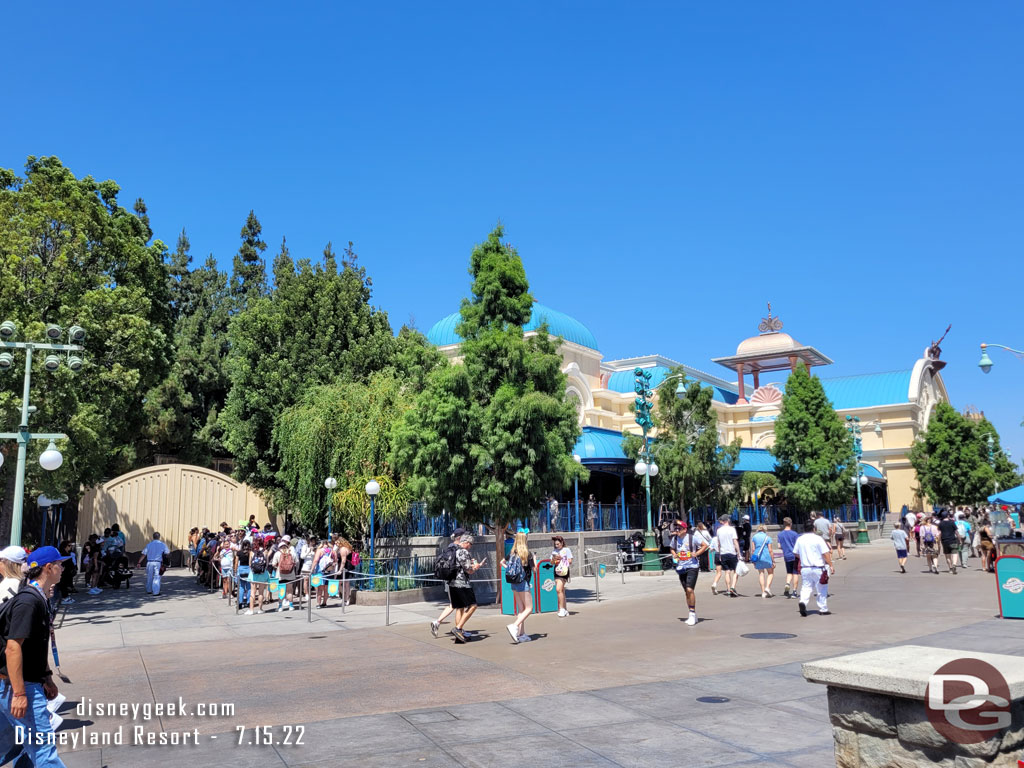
{"x":372,"y":489}
{"x":645,"y":465}
{"x":853,"y":427}
{"x":576,"y":483}
{"x":51,"y":458}
{"x":330,"y":484}
{"x":986,"y":362}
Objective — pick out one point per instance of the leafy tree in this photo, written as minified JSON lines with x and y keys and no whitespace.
{"x":249,"y":277}
{"x":352,"y":505}
{"x":759,"y":486}
{"x":488,"y":438}
{"x":70,"y":254}
{"x":951,"y":458}
{"x":694,"y":469}
{"x":183,"y":409}
{"x":316,"y":327}
{"x":813,"y":450}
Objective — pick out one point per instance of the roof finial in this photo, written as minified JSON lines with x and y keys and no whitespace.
{"x":769,"y":324}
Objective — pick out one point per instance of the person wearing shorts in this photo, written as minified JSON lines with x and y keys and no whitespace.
{"x":728,"y":553}
{"x":900,"y":540}
{"x":561,"y":556}
{"x":460,"y":591}
{"x":686,"y":551}
{"x":787,"y":540}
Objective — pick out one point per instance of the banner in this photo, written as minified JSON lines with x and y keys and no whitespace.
{"x":316,"y":580}
{"x":274,"y":584}
{"x":332,"y":587}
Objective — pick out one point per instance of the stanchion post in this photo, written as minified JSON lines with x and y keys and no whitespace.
{"x":344,"y":583}
{"x":597,"y":584}
{"x":387,"y":600}
{"x":309,"y":600}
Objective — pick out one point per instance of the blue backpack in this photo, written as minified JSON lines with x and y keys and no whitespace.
{"x":514,"y":573}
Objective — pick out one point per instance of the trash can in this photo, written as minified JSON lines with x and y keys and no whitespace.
{"x":1010,"y":583}
{"x":507,"y":597}
{"x":545,"y":598}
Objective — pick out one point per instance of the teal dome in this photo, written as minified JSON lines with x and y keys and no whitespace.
{"x":443,"y":333}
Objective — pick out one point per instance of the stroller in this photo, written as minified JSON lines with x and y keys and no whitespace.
{"x":630,"y":555}
{"x":117,"y":571}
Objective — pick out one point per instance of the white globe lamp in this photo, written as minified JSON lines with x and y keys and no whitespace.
{"x":51,"y":458}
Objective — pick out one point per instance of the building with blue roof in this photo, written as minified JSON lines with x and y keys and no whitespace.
{"x":893,"y":406}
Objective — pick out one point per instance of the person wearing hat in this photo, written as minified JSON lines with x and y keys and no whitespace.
{"x":449,"y":610}
{"x":26,"y":682}
{"x":686,"y":551}
{"x":12,"y":568}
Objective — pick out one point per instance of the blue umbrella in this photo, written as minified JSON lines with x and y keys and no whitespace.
{"x":1009,"y":496}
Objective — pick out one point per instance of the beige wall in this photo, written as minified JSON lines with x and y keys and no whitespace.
{"x":171,"y":499}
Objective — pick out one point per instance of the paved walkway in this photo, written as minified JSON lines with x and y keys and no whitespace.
{"x":623,"y":682}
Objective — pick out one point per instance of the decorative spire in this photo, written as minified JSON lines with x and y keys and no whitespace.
{"x":770,"y":324}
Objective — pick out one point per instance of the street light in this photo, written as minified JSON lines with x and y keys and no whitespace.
{"x":986,"y":362}
{"x":50,"y":459}
{"x":576,"y":482}
{"x":330,"y":484}
{"x":853,"y":427}
{"x":372,"y":489}
{"x":644,"y":398}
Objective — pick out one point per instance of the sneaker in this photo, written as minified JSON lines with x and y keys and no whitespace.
{"x":249,"y":612}
{"x":824,"y":613}
{"x":564,"y":612}
{"x":513,"y":631}
{"x":470,"y":632}
{"x":67,"y":601}
{"x":803,"y":609}
{"x":290,"y":606}
{"x":714,"y":590}
{"x":954,"y":570}
{"x":523,"y":639}
{"x":786,"y":591}
{"x":692,"y":619}
{"x":902,"y":569}
{"x":433,"y":629}
{"x":95,"y":591}
{"x":733,"y":593}
{"x":769,"y":594}
{"x":459,"y":637}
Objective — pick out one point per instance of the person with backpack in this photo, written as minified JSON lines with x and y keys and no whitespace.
{"x":461,"y":588}
{"x":929,"y":543}
{"x":26,"y":682}
{"x":324,"y":565}
{"x":448,"y":556}
{"x":519,"y":575}
{"x":259,"y":576}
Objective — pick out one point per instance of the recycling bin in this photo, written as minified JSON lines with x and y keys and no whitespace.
{"x":1010,"y":583}
{"x":507,"y":598}
{"x":545,"y":598}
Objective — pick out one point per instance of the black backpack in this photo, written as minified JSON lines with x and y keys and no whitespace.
{"x":259,"y":563}
{"x":446,"y":567}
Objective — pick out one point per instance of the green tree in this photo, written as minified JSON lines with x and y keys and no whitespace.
{"x":1004,"y":471}
{"x":69,"y":254}
{"x":951,"y":458}
{"x":316,"y":327}
{"x":487,"y":439}
{"x":249,"y":276}
{"x":813,"y":450}
{"x":694,"y":470}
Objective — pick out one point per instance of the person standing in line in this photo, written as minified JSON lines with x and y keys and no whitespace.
{"x":686,"y":552}
{"x":950,"y":538}
{"x":763,"y":560}
{"x":242,"y":572}
{"x":26,"y":682}
{"x":461,"y":589}
{"x":900,"y":541}
{"x":450,"y":609}
{"x":522,"y":594}
{"x":284,"y":563}
{"x":815,"y":566}
{"x":930,"y":542}
{"x":561,"y":556}
{"x":154,"y":553}
{"x":728,"y":553}
{"x":787,"y":539}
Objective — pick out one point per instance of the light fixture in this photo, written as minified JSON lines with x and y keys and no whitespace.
{"x":878,"y":428}
{"x":74,"y":363}
{"x":7,"y":330}
{"x":54,"y":331}
{"x":330,"y":483}
{"x":1,"y":459}
{"x":986,"y":362}
{"x":640,"y":468}
{"x":372,"y":488}
{"x":863,"y":479}
{"x":6,"y":360}
{"x":51,"y":363}
{"x":51,"y":458}
{"x":577,"y":458}
{"x":680,"y":389}
{"x":653,"y":469}
{"x":76,"y":334}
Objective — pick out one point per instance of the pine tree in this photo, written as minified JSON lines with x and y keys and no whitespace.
{"x":813,"y":450}
{"x":249,"y":276}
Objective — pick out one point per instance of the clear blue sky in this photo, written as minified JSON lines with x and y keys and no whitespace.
{"x":664,"y":169}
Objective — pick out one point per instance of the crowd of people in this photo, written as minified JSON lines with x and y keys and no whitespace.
{"x":243,"y":562}
{"x":956,"y":534}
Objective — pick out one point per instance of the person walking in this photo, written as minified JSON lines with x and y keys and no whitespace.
{"x":686,"y":551}
{"x":763,"y":560}
{"x":743,"y":531}
{"x":917,"y":536}
{"x":461,"y":589}
{"x":26,"y":682}
{"x":949,"y":536}
{"x":930,"y":542}
{"x":823,"y":526}
{"x":728,"y":552}
{"x":154,"y":553}
{"x":900,"y":541}
{"x":435,"y":625}
{"x":561,"y":556}
{"x":815,"y":567}
{"x":519,"y":575}
{"x":964,"y":533}
{"x":839,"y":531}
{"x":787,"y":539}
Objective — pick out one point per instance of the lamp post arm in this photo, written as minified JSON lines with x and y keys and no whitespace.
{"x":1017,"y":352}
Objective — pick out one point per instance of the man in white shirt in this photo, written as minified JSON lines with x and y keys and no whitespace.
{"x":154,"y":553}
{"x":727,"y":549}
{"x":815,"y":564}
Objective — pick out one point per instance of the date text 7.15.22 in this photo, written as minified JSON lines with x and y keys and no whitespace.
{"x":271,"y":735}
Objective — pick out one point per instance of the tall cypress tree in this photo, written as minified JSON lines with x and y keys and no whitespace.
{"x":813,"y":450}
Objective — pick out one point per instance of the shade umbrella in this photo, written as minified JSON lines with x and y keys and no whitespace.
{"x":1009,"y":496}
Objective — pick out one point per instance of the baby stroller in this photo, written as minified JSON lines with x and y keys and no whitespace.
{"x":117,"y":572}
{"x":630,"y":555}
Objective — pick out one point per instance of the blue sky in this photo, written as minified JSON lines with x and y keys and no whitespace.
{"x":663,"y":168}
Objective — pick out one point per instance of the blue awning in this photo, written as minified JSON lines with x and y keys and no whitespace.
{"x":759,"y":460}
{"x":601,"y":446}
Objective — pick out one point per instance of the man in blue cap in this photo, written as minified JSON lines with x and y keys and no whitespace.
{"x":26,"y":682}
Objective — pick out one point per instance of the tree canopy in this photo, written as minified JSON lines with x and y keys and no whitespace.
{"x":813,"y":450}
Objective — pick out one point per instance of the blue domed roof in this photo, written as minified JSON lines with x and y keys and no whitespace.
{"x":559,"y":324}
